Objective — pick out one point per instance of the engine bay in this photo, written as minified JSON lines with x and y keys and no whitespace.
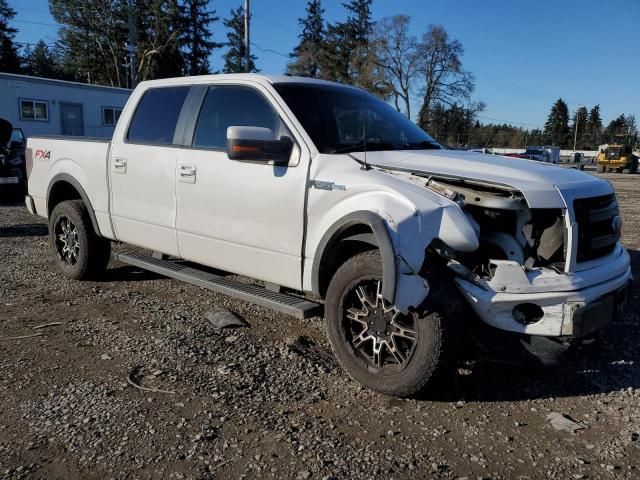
{"x":506,"y":227}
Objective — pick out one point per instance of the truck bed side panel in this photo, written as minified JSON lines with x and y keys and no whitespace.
{"x":85,"y":160}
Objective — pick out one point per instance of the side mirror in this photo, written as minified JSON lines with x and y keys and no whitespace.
{"x":257,"y":144}
{"x":16,"y":145}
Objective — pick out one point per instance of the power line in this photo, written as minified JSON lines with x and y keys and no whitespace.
{"x":269,"y":50}
{"x":38,"y":23}
{"x":281,"y":27}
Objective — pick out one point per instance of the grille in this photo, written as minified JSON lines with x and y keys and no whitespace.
{"x":597,"y":234}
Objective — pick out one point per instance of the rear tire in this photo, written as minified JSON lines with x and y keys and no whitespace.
{"x":412,"y":349}
{"x":78,"y":251}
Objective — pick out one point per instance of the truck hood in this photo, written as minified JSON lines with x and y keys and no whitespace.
{"x":539,"y":182}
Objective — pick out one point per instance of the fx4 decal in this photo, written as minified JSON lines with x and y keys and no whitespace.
{"x":43,"y":155}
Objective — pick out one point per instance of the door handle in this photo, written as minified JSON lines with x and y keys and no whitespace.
{"x":120,"y":165}
{"x":187,"y":173}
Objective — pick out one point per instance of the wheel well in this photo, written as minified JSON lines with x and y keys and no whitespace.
{"x":353,"y":240}
{"x":60,"y":192}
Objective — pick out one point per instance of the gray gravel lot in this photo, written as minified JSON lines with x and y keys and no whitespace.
{"x":269,"y":401}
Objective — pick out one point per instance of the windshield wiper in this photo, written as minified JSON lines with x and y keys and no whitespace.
{"x":424,"y":145}
{"x":361,"y":146}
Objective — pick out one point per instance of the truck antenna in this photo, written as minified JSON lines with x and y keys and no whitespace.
{"x":365,"y":166}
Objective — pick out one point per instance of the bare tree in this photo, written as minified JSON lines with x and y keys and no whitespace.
{"x":440,"y":66}
{"x":397,"y":54}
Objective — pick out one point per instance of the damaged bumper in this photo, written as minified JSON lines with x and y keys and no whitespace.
{"x":571,"y":305}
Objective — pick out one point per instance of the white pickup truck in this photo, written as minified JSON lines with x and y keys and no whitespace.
{"x":322,"y":191}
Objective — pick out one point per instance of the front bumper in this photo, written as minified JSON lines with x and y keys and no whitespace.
{"x":574,"y":305}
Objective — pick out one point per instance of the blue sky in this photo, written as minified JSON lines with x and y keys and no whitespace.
{"x":524,"y":54}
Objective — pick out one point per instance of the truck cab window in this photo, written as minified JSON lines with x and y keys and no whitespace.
{"x":226,"y":106}
{"x":155,"y":119}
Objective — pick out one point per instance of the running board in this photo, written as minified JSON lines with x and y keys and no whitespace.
{"x":297,"y":307}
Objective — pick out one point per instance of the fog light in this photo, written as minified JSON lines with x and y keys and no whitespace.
{"x":527,"y":313}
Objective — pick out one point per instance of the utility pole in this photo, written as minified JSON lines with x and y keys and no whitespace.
{"x":247,"y":60}
{"x":131,"y":45}
{"x":575,"y":133}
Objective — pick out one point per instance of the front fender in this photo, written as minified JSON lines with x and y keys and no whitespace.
{"x":383,"y":240}
{"x":403,"y":228}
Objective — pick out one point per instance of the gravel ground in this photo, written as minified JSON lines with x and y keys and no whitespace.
{"x":268,"y":400}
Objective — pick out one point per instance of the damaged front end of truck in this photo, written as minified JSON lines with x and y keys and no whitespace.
{"x":542,"y":277}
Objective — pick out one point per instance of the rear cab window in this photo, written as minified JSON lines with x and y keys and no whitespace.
{"x":156,"y":116}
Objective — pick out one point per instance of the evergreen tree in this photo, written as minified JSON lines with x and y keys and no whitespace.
{"x":43,"y":62}
{"x":9,"y":58}
{"x":308,"y":52}
{"x":556,"y":129}
{"x":196,"y":36}
{"x":349,"y":54}
{"x":94,"y":37}
{"x":579,"y":127}
{"x":159,"y":24}
{"x":234,"y":58}
{"x":594,"y":128}
{"x":616,"y":129}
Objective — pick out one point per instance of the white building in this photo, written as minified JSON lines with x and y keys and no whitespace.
{"x":41,"y":106}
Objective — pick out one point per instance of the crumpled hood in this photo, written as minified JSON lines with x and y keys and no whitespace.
{"x":537,"y":181}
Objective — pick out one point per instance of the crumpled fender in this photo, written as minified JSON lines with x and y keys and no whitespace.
{"x":403,"y":229}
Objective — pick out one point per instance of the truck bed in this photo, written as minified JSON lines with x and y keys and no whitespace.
{"x":82,"y":160}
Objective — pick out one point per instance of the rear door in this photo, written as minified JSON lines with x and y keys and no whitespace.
{"x":142,"y":170}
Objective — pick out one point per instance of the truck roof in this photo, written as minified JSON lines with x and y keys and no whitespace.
{"x":256,"y":77}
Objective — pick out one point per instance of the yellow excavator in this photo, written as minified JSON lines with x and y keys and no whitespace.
{"x":618,"y":156}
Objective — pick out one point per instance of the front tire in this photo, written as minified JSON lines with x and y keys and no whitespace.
{"x":78,"y":251}
{"x":379,"y":347}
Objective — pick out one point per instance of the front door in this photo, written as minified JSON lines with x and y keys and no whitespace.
{"x":239,"y":216}
{"x":142,"y":168}
{"x":71,"y":119}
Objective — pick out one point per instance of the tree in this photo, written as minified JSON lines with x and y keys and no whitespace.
{"x":350,"y":51}
{"x":94,"y":37}
{"x":440,"y":67}
{"x":196,"y":36}
{"x":619,"y":127}
{"x":397,"y":56}
{"x":234,"y":58}
{"x":43,"y":62}
{"x":579,"y":127}
{"x":594,"y":128}
{"x":159,"y":24}
{"x":9,"y":58}
{"x":556,"y":129}
{"x":307,"y":53}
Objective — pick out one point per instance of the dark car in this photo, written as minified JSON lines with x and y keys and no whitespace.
{"x":13,"y":175}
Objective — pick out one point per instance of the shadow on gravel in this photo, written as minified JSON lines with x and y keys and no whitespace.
{"x":128,"y":273}
{"x":610,"y":364}
{"x":11,"y":200}
{"x":24,"y":230}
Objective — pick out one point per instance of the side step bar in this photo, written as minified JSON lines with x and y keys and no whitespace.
{"x":297,"y":307}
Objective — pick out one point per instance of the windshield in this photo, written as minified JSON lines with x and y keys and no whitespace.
{"x":340,"y":119}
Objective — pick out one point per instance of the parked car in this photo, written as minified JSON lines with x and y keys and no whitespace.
{"x":540,"y":154}
{"x":486,"y":151}
{"x":417,"y":251}
{"x":12,"y":159}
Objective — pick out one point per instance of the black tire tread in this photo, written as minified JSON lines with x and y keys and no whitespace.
{"x":434,"y":347}
{"x":95,"y":251}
